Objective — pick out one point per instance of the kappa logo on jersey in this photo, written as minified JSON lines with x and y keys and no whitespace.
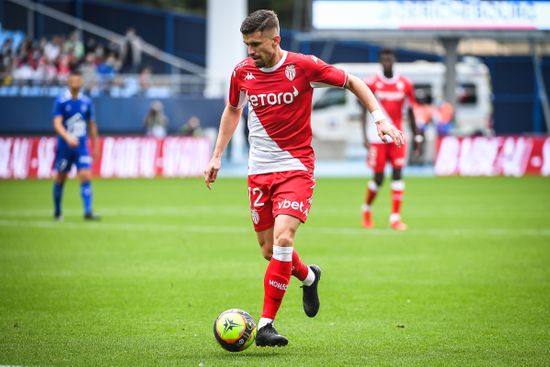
{"x":273,"y":98}
{"x":314,"y":58}
{"x":249,"y":76}
{"x":290,"y":72}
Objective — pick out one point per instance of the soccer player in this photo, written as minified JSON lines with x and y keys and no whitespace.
{"x":73,"y":119}
{"x":393,"y":91}
{"x":278,"y":86}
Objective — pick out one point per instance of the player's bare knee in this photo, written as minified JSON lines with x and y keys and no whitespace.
{"x":285,"y":239}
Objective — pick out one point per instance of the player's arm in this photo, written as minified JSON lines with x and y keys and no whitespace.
{"x":94,"y":137}
{"x":368,"y":100}
{"x":418,"y":138}
{"x":364,"y":126}
{"x":229,"y":121}
{"x":60,"y":129}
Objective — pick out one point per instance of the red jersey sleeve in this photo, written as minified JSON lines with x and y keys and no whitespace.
{"x":322,"y":74}
{"x":237,"y":97}
{"x":371,"y":83}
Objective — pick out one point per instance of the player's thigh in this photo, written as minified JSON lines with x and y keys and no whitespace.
{"x":293,"y":194}
{"x":83,"y":162}
{"x":60,"y":177}
{"x":377,"y":157}
{"x":259,"y":195}
{"x":285,"y":229}
{"x":397,"y":155}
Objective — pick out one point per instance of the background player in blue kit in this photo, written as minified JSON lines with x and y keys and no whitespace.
{"x":73,"y":120}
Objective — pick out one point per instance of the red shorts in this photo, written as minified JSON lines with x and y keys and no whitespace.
{"x":380,"y":154}
{"x":271,"y":194}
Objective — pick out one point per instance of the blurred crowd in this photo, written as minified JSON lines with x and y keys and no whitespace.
{"x":47,"y":62}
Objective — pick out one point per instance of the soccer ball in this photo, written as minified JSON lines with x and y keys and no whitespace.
{"x":235,"y":330}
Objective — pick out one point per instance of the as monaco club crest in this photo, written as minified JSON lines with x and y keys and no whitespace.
{"x":255,"y":216}
{"x":290,"y":72}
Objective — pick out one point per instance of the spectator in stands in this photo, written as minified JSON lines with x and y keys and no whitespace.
{"x":64,"y":67}
{"x":46,"y":72}
{"x":91,"y":45}
{"x":6,"y":61}
{"x":89,"y":73}
{"x":145,"y":79}
{"x":192,"y":127}
{"x":131,"y":48}
{"x":107,"y":72}
{"x":74,"y":45}
{"x":156,"y":121}
{"x":52,"y":49}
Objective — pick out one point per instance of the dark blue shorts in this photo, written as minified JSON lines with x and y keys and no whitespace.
{"x":66,"y":156}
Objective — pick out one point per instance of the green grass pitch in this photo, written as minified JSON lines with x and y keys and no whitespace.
{"x":467,"y":285}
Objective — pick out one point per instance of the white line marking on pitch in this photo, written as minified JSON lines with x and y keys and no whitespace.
{"x":104,"y":226}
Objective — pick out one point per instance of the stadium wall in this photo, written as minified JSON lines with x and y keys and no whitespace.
{"x":33,"y":115}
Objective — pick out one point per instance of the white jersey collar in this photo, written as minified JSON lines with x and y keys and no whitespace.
{"x":277,"y":65}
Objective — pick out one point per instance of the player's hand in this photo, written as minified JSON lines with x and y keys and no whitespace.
{"x":387,"y":130}
{"x":366,"y":144}
{"x":211,"y":172}
{"x":72,"y":141}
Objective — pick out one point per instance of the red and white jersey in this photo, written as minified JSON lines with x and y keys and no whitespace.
{"x":279,"y":100}
{"x":394,"y":95}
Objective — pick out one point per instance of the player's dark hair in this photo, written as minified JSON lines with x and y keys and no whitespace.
{"x":260,"y":20}
{"x":386,"y":51}
{"x":75,"y":71}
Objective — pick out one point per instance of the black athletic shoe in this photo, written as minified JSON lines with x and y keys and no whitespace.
{"x":58,"y":217}
{"x":267,"y":336}
{"x":92,"y":217}
{"x":310,"y":297}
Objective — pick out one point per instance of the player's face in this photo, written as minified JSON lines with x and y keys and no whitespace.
{"x":387,"y":61}
{"x":74,"y":82}
{"x":262,"y":47}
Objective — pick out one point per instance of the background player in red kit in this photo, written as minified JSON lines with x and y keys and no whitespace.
{"x":394,"y":92}
{"x":278,"y":86}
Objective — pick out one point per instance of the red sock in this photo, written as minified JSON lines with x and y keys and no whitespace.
{"x":299,"y":269}
{"x":397,"y":189}
{"x":372,"y":190}
{"x":277,"y":277}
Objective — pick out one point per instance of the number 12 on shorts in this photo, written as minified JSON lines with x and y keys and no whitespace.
{"x":257,"y":193}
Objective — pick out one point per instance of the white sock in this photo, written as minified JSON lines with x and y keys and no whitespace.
{"x":263,"y":322}
{"x":282,"y":253}
{"x":365,"y":208}
{"x":394,"y":217}
{"x":310,"y":277}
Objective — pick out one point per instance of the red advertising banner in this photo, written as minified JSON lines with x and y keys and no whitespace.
{"x":24,"y":157}
{"x":492,"y":156}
